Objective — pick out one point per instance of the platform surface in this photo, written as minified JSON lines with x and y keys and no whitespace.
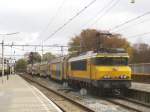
{"x":17,"y":95}
{"x":141,"y":86}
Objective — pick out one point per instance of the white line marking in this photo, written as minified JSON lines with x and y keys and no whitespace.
{"x":55,"y":106}
{"x":38,"y":98}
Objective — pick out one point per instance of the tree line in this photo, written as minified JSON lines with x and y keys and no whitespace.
{"x":33,"y":57}
{"x":91,"y":39}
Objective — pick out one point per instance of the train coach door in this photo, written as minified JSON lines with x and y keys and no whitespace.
{"x":58,"y":71}
{"x":92,"y":70}
{"x":89,"y":69}
{"x":65,"y":69}
{"x":62,"y":70}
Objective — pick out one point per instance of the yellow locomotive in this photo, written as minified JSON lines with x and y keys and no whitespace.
{"x":101,"y":69}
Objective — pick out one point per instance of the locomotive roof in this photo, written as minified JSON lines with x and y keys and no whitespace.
{"x":92,"y":55}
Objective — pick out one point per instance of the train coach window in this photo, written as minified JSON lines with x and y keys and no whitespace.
{"x":79,"y":65}
{"x":108,"y":61}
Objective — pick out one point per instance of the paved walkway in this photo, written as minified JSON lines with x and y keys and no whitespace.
{"x":16,"y":95}
{"x":140,"y":86}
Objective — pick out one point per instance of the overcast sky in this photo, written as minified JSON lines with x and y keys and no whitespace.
{"x":37,"y":19}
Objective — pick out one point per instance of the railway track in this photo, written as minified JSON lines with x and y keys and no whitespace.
{"x":65,"y":103}
{"x":129,"y":104}
{"x":124,"y":102}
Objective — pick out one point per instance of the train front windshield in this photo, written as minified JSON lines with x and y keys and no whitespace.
{"x":110,"y":61}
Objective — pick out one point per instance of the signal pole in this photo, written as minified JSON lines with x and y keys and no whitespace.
{"x":2,"y":61}
{"x":42,"y":53}
{"x":10,"y":63}
{"x":62,"y":50}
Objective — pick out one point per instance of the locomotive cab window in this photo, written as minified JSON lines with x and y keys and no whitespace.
{"x":79,"y":65}
{"x":108,"y":61}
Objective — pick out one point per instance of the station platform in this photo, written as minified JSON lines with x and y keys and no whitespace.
{"x":17,"y":95}
{"x":141,"y":86}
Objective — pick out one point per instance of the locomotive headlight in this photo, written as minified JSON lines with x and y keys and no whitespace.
{"x":123,"y":77}
{"x":106,"y":77}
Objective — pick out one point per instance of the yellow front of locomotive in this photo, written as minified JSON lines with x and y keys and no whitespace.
{"x":111,"y":71}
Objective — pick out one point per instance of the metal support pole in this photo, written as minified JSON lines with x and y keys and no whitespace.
{"x":35,"y":49}
{"x":11,"y":60}
{"x":13,"y":71}
{"x":7,"y":63}
{"x":10,"y":64}
{"x":2,"y":61}
{"x":42,"y":53}
{"x":81,"y":44}
{"x":62,"y":50}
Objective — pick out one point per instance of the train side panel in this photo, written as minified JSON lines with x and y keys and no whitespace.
{"x":65,"y":70}
{"x":29,"y":69}
{"x":44,"y":70}
{"x":79,"y":70}
{"x":36,"y":69}
{"x":56,"y":71}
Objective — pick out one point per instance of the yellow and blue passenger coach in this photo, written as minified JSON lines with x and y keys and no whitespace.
{"x":58,"y":68}
{"x":101,"y":69}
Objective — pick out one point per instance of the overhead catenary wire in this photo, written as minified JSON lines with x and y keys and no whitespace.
{"x":133,"y":25}
{"x":13,"y":55}
{"x":53,"y":17}
{"x":137,"y":35}
{"x":71,"y":19}
{"x":99,"y":12}
{"x":38,"y":50}
{"x":36,"y":45}
{"x":129,"y":21}
{"x":107,"y":11}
